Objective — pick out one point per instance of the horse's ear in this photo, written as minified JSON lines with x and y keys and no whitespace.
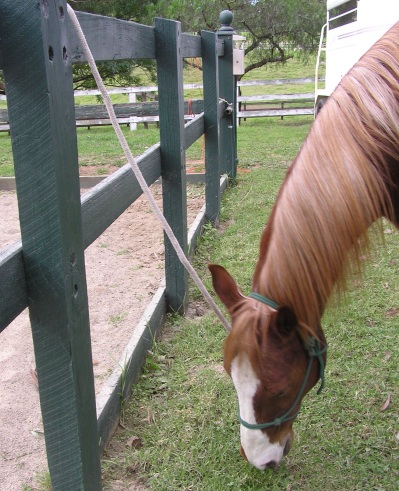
{"x":286,"y":321}
{"x":225,"y":286}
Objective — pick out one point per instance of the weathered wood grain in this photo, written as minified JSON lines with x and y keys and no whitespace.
{"x":171,"y":112}
{"x":111,"y":39}
{"x":41,"y":109}
{"x":212,"y":112}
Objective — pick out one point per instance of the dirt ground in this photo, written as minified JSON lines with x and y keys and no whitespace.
{"x":124,"y":267}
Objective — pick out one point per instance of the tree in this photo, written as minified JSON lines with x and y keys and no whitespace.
{"x":115,"y":73}
{"x":135,"y":10}
{"x":275,"y":29}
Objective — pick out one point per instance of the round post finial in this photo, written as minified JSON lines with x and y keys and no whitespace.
{"x":226,"y":19}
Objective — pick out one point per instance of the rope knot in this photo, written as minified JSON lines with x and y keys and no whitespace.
{"x":312,"y":346}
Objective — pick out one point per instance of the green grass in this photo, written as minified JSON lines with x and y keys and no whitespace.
{"x":182,"y":414}
{"x":99,"y":145}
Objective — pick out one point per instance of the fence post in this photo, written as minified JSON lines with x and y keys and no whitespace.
{"x":227,"y":92}
{"x":132,"y":98}
{"x":41,"y":108}
{"x":210,"y":66}
{"x":173,"y":157}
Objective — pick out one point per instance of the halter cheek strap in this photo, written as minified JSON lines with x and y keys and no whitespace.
{"x":314,"y":350}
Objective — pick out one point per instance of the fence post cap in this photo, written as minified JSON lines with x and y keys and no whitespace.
{"x":226,"y":19}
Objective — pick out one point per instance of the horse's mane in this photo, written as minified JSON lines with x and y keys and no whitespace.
{"x":335,"y":189}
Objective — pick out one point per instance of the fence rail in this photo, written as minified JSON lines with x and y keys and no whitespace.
{"x":46,"y":270}
{"x":265,"y":105}
{"x":147,"y":112}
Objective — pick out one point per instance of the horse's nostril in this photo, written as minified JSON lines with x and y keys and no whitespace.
{"x":287,"y":447}
{"x":271,"y":465}
{"x":243,"y":453}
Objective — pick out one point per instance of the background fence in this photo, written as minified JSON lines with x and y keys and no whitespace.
{"x":248,"y":106}
{"x":46,"y":272}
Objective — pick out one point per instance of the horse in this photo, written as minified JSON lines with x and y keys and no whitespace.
{"x":344,"y":178}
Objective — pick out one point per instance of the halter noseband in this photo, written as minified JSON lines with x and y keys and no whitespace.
{"x":314,"y":350}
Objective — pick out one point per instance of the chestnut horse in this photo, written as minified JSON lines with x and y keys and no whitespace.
{"x":344,"y":178}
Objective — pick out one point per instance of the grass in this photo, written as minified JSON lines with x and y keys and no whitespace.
{"x":182,"y":414}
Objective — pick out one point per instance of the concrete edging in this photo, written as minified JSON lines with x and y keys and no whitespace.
{"x":116,"y":388}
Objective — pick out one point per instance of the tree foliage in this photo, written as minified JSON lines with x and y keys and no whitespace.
{"x":135,"y":10}
{"x":275,"y":29}
{"x":121,"y":73}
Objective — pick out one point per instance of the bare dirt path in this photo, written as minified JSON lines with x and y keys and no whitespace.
{"x":124,"y":267}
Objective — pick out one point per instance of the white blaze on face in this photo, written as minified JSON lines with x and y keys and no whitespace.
{"x":256,"y":444}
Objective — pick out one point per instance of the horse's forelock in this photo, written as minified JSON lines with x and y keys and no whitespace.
{"x":251,"y":323}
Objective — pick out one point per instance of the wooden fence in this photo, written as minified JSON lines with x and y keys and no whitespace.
{"x":248,"y":106}
{"x":268,"y":105}
{"x":46,"y":272}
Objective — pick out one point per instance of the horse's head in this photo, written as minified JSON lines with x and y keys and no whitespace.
{"x":272,"y":368}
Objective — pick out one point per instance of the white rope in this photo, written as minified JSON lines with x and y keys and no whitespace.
{"x":129,"y":156}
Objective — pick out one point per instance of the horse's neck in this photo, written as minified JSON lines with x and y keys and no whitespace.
{"x":316,"y":228}
{"x":344,"y":178}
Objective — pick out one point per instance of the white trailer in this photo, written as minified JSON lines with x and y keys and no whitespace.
{"x":352,"y":27}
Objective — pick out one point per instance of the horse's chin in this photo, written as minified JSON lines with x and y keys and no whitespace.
{"x":271,"y":464}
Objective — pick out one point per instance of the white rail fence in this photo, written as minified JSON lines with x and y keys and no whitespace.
{"x":248,"y":106}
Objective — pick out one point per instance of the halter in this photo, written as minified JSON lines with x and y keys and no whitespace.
{"x":265,"y":300}
{"x":314,"y":350}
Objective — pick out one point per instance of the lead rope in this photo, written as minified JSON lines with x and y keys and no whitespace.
{"x":129,"y":156}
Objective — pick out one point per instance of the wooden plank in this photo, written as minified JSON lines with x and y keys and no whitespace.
{"x":139,"y":109}
{"x":281,"y":81}
{"x":191,"y":46}
{"x":111,"y":39}
{"x":13,"y":293}
{"x":276,"y":97}
{"x":132,"y":119}
{"x":127,"y":90}
{"x":193,"y":130}
{"x":98,"y":111}
{"x":275,"y":112}
{"x":171,"y":111}
{"x":41,"y":110}
{"x":210,"y":62}
{"x":102,"y":205}
{"x":106,"y":122}
{"x":4,"y":116}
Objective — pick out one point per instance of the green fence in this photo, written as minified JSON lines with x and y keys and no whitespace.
{"x":46,"y":272}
